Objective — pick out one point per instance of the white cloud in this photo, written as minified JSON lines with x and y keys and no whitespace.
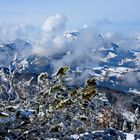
{"x":10,"y":32}
{"x":52,"y":37}
{"x":55,"y":23}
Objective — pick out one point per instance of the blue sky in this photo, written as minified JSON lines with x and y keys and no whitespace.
{"x":124,"y":15}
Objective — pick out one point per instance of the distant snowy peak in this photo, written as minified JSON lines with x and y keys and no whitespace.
{"x":25,"y":46}
{"x":17,"y":47}
{"x":109,"y":56}
{"x":7,"y":53}
{"x":114,"y":46}
{"x":72,"y":35}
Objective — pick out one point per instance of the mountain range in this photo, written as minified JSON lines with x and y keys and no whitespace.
{"x":116,"y":69}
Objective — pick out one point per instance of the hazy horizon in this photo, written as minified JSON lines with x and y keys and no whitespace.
{"x":116,"y":16}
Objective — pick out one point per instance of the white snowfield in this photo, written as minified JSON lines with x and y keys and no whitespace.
{"x":135,"y":91}
{"x":129,"y":136}
{"x":1,"y":46}
{"x":109,"y":56}
{"x":117,"y":72}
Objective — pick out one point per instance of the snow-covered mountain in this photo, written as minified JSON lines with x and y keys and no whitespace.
{"x":10,"y":50}
{"x":72,"y":35}
{"x":116,"y":69}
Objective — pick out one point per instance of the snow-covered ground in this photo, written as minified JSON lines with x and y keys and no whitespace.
{"x":129,"y":136}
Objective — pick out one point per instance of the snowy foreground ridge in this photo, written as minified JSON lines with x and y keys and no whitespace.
{"x":46,"y":106}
